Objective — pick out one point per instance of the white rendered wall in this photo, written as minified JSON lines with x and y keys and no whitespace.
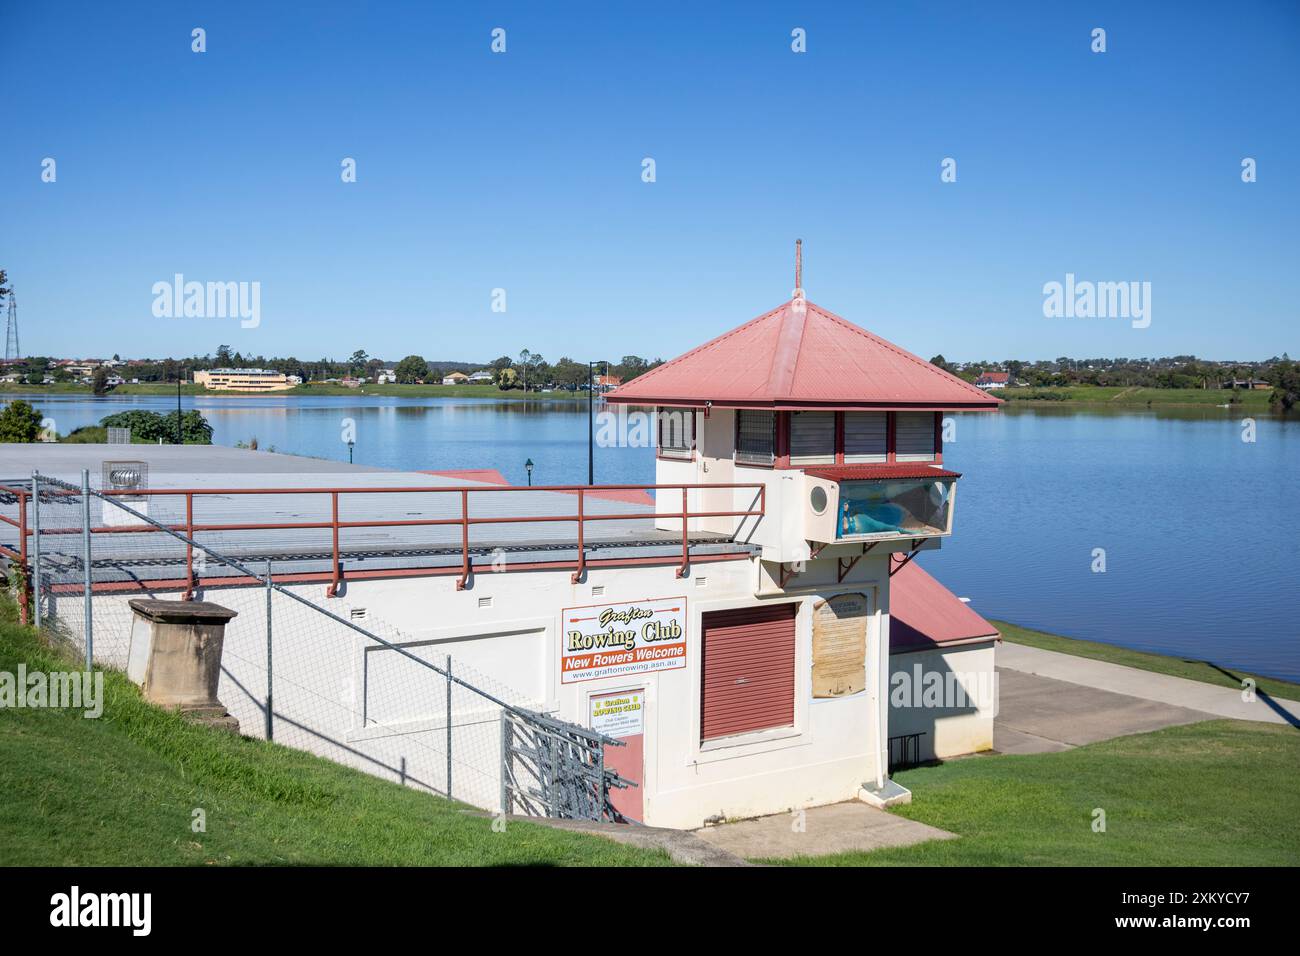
{"x":339,"y":695}
{"x":956,"y":728}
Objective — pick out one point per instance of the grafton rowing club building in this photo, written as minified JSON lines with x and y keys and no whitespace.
{"x":755,"y":628}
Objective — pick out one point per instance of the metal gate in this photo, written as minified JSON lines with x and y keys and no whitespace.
{"x":552,"y":768}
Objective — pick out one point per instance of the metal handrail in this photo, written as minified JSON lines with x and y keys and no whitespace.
{"x":335,"y":523}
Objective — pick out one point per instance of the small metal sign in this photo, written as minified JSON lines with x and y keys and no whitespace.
{"x":618,"y":715}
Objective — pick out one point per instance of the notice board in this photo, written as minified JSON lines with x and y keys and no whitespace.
{"x":839,"y":646}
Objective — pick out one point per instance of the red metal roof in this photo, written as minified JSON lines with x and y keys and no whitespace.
{"x":894,"y":472}
{"x":800,"y":358}
{"x":490,"y":476}
{"x":923,"y":614}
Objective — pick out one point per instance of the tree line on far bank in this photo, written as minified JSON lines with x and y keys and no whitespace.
{"x":530,"y":370}
{"x":1180,"y":371}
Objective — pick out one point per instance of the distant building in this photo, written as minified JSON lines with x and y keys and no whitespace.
{"x":605,"y":382}
{"x":242,"y":380}
{"x":989,"y":380}
{"x":1251,"y":383}
{"x":482,"y":377}
{"x":455,"y":378}
{"x":386,"y":377}
{"x":82,"y":369}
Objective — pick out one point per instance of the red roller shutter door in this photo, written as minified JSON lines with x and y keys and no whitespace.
{"x":748,"y":671}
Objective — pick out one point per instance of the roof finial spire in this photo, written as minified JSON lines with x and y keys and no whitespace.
{"x":796,"y":297}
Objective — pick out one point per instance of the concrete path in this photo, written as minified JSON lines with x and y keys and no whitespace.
{"x":1043,"y":715}
{"x":1118,"y":679}
{"x":838,"y":828}
{"x":682,"y":846}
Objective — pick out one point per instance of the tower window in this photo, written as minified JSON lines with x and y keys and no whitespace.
{"x":755,"y":437}
{"x":676,"y":432}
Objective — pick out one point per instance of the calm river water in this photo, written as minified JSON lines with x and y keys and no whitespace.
{"x":1200,"y":529}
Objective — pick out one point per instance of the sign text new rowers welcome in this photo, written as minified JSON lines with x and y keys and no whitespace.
{"x":634,"y":637}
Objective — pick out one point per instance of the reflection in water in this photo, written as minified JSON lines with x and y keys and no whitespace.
{"x":1199,"y":528}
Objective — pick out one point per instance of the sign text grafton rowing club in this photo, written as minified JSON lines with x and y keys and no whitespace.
{"x":611,"y":640}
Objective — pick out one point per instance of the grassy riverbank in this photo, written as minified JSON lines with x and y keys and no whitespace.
{"x":121,"y":790}
{"x":1039,"y":809}
{"x":1139,"y":397}
{"x":1205,"y":671}
{"x":1218,"y":793}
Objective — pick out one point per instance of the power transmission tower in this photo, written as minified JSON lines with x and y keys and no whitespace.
{"x":11,"y":330}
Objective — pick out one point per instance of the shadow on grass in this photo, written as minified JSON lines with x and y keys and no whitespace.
{"x":1277,"y":708}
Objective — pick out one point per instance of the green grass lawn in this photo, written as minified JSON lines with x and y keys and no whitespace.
{"x":1119,"y":395}
{"x":121,"y":790}
{"x":1219,"y":793}
{"x":1203,"y":671}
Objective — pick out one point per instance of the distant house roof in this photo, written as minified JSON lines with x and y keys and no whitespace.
{"x":608,"y":380}
{"x":458,"y":376}
{"x":923,"y":614}
{"x":793,"y":358}
{"x":993,"y":377}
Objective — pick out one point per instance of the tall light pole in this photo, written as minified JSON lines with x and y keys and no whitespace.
{"x":591,"y":430}
{"x":179,"y":439}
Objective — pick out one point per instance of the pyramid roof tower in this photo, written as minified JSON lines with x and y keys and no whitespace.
{"x":801,"y":356}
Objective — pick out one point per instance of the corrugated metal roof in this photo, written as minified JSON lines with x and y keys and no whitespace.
{"x":793,"y":358}
{"x":887,"y":472}
{"x":923,"y":614}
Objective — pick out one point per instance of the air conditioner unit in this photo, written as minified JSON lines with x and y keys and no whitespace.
{"x":820,"y":506}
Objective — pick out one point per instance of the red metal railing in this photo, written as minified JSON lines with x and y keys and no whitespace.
{"x":335,"y":524}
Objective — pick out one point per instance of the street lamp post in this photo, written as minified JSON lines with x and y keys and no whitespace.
{"x":591,"y":428}
{"x":528,"y":467}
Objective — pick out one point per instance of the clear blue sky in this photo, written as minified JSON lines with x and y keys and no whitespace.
{"x":523,"y":171}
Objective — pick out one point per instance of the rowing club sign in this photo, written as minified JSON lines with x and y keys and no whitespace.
{"x":615,"y":640}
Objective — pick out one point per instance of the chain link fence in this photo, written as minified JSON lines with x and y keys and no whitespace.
{"x":301,"y":669}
